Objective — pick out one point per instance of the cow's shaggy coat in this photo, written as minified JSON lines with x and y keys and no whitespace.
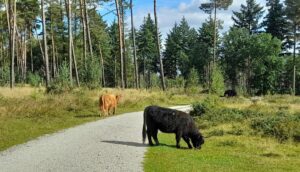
{"x":108,"y":102}
{"x":170,"y":121}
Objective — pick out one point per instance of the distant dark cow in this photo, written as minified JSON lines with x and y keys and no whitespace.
{"x":170,"y":121}
{"x":230,"y":93}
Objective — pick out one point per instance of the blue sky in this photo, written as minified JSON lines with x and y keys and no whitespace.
{"x":171,"y":11}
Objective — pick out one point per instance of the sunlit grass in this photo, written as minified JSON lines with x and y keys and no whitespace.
{"x":224,"y":153}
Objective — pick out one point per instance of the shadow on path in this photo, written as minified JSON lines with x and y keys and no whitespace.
{"x":135,"y":144}
{"x":87,"y":116}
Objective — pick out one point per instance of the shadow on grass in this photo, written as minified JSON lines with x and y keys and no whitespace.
{"x":135,"y":144}
{"x":171,"y":146}
{"x":86,"y":116}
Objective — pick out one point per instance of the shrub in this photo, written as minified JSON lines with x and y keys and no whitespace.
{"x":211,"y":103}
{"x":280,"y":126}
{"x":62,"y":82}
{"x":91,"y":76}
{"x":34,"y":79}
{"x":198,"y":109}
{"x":192,"y":83}
{"x":217,"y":86}
{"x":4,"y":75}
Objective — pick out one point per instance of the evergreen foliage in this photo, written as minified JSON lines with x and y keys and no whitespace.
{"x":249,"y":16}
{"x":179,"y":45}
{"x":192,"y":82}
{"x":275,"y":22}
{"x":217,"y":84}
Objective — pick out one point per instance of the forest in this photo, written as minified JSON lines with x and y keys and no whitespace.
{"x":64,"y":44}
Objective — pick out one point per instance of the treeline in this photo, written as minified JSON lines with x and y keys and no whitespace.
{"x":68,"y":44}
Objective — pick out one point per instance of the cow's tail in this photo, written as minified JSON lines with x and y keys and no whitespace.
{"x":144,"y":126}
{"x":101,"y":102}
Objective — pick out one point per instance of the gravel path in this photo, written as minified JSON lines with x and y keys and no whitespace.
{"x":111,"y":144}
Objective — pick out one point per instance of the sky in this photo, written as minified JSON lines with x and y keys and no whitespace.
{"x":171,"y":11}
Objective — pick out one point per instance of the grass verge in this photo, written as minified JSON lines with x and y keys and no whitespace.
{"x":224,"y":153}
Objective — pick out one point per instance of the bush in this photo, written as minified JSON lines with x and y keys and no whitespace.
{"x":198,"y":109}
{"x":280,"y":126}
{"x":91,"y":76}
{"x":4,"y":75}
{"x":34,"y":79}
{"x":62,"y":82}
{"x":211,"y":103}
{"x":217,"y":85}
{"x":192,"y":83}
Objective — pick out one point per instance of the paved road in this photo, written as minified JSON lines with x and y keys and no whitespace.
{"x":111,"y":144}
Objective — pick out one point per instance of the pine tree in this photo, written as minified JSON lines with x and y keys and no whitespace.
{"x":171,"y":53}
{"x":249,"y":16}
{"x":203,"y":51}
{"x":275,"y":22}
{"x":209,"y":8}
{"x":179,"y":45}
{"x":147,"y":52}
{"x":293,"y":14}
{"x":157,"y":41}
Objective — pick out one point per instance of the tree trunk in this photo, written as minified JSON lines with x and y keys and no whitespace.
{"x":69,"y":10}
{"x":53,"y":47}
{"x":162,"y":77}
{"x":12,"y":24}
{"x":102,"y":67}
{"x":124,"y":42}
{"x":31,"y":53}
{"x":294,"y":60}
{"x":45,"y":45}
{"x":84,"y":33}
{"x":63,"y":35}
{"x":86,"y":17}
{"x":115,"y":71}
{"x":25,"y":57}
{"x":121,"y":43}
{"x":75,"y":66}
{"x":215,"y":33}
{"x":136,"y":77}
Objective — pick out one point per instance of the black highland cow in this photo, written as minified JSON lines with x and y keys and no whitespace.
{"x":170,"y":121}
{"x":230,"y":93}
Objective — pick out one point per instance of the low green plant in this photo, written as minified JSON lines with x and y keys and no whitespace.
{"x":62,"y":83}
{"x":280,"y":126}
{"x":217,"y":86}
{"x":34,"y":79}
{"x":192,"y":82}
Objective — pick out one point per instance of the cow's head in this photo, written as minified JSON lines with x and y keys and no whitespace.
{"x":197,"y":140}
{"x":118,"y":97}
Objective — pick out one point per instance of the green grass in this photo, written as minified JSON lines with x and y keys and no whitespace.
{"x":224,"y":153}
{"x":27,"y":113}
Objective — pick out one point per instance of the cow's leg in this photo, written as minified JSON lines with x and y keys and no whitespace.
{"x":155,"y":136}
{"x":187,"y":140}
{"x":149,"y":134}
{"x":109,"y":111}
{"x":114,"y":110}
{"x":178,"y":137}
